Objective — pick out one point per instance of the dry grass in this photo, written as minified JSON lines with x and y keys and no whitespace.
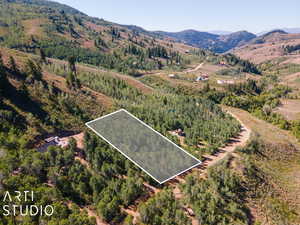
{"x":292,"y":80}
{"x":285,"y":172}
{"x":33,"y":26}
{"x":271,"y":49}
{"x":210,"y":68}
{"x":267,"y":131}
{"x":88,"y":44}
{"x":20,"y":57}
{"x":60,"y":83}
{"x":3,"y":31}
{"x":290,"y":109}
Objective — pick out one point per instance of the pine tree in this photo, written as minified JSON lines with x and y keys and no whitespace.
{"x":3,"y":76}
{"x":43,"y":58}
{"x":12,"y":65}
{"x":72,"y":66}
{"x":34,"y":71}
{"x":72,"y":80}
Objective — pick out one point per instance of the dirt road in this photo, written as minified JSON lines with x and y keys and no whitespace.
{"x":239,"y":141}
{"x":195,"y":69}
{"x":128,"y":79}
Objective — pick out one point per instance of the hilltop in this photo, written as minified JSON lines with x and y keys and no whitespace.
{"x":270,"y":46}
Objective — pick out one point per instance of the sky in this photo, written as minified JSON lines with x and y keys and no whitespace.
{"x":176,"y":15}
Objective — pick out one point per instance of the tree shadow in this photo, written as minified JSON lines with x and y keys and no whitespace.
{"x":24,"y":102}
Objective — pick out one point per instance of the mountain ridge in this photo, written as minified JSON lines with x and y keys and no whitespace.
{"x":213,"y":42}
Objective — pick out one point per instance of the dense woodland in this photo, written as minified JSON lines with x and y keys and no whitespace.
{"x":245,"y":65}
{"x":226,"y":207}
{"x":163,"y":209}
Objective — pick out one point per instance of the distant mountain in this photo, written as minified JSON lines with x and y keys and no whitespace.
{"x":233,"y":40}
{"x":269,"y":36}
{"x":192,"y":37}
{"x":214,"y":42}
{"x":288,"y":30}
{"x":140,"y":30}
{"x":220,"y":32}
{"x":292,"y":30}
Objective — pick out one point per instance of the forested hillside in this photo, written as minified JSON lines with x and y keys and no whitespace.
{"x":34,"y":105}
{"x":62,"y":31}
{"x":60,"y":68}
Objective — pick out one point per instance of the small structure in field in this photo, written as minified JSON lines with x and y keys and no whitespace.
{"x":222,"y":63}
{"x":53,"y":141}
{"x":172,"y":75}
{"x":202,"y":78}
{"x":225,"y":81}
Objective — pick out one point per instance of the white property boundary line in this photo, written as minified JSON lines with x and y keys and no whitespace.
{"x":123,"y":110}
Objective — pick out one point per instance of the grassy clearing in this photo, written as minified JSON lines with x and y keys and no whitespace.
{"x":265,"y":130}
{"x":275,"y":181}
{"x":271,"y":172}
{"x":290,"y":109}
{"x":34,"y":27}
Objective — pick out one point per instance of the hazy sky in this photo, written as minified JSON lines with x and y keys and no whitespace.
{"x":176,"y":15}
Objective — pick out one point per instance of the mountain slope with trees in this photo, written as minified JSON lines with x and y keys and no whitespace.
{"x":33,"y":106}
{"x":62,"y":32}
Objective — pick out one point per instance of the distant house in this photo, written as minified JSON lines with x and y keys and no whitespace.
{"x":225,"y":81}
{"x":202,"y":78}
{"x":53,"y":141}
{"x":172,"y":75}
{"x":222,"y":63}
